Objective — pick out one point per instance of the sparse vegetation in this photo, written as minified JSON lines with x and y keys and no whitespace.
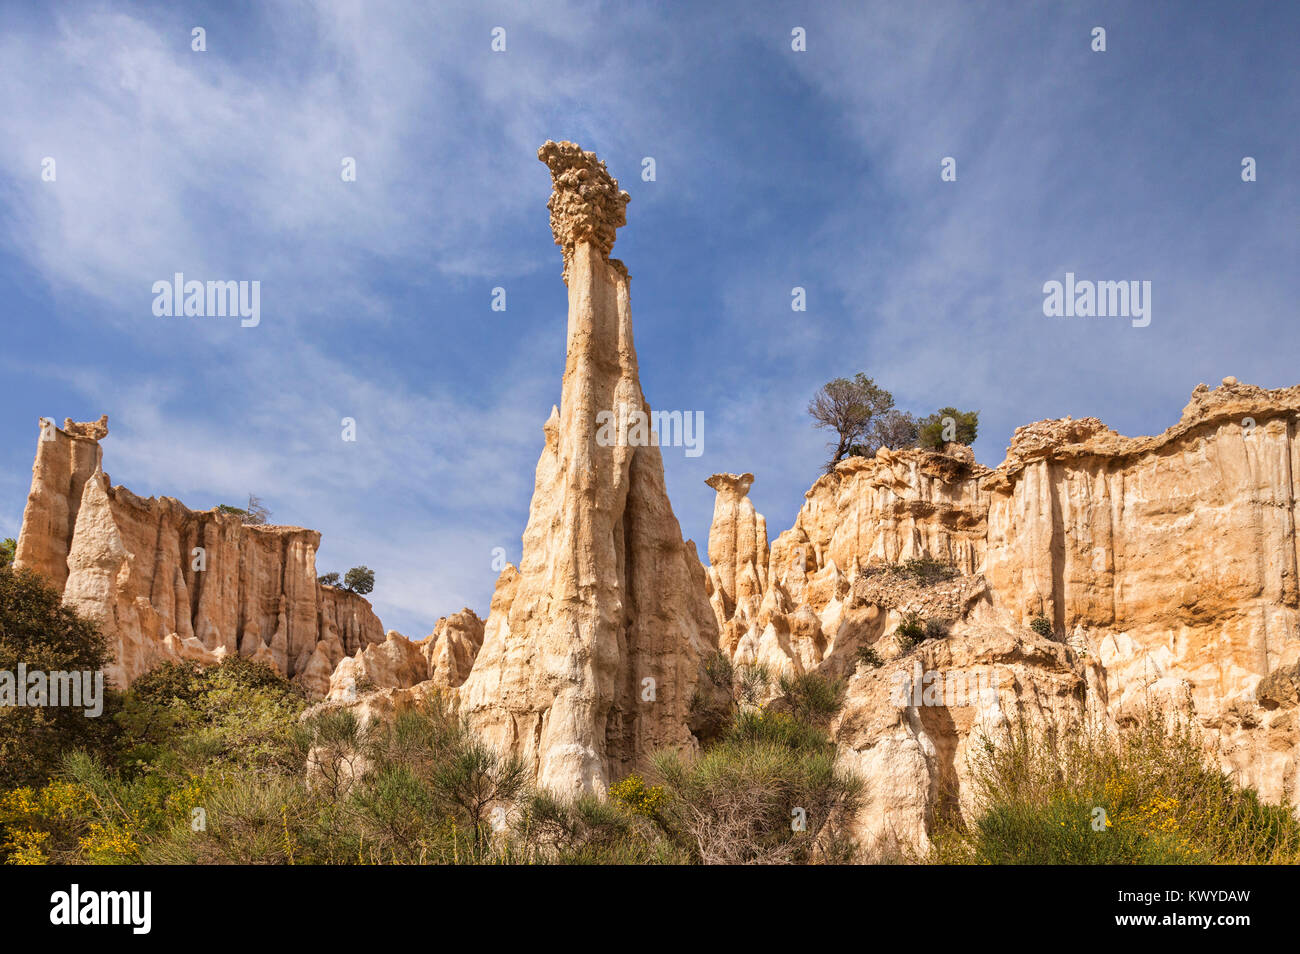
{"x":850,"y":408}
{"x":251,"y":513}
{"x":359,"y":579}
{"x":1042,"y":626}
{"x":766,"y":794}
{"x":751,"y":683}
{"x":864,"y":419}
{"x":935,"y":629}
{"x":811,"y":698}
{"x":927,"y":570}
{"x":207,"y":767}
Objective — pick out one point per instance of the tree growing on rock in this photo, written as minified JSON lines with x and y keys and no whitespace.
{"x":253,"y":513}
{"x":849,"y":408}
{"x":892,"y":429}
{"x":359,"y":579}
{"x":948,"y":426}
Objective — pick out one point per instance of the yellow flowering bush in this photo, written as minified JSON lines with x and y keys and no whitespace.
{"x":31,"y":818}
{"x":635,"y":796}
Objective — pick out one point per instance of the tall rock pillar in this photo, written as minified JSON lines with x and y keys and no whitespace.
{"x":66,"y":458}
{"x":594,"y":655}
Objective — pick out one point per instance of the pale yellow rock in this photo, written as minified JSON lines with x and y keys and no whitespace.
{"x":1166,"y":564}
{"x":396,"y":663}
{"x":165,"y":582}
{"x":595,"y":662}
{"x":737,"y":546}
{"x":443,"y":658}
{"x":453,"y":646}
{"x":65,"y":459}
{"x":916,"y":757}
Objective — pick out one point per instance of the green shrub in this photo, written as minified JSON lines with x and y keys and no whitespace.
{"x":720,"y":671}
{"x":754,"y":727}
{"x":868,"y":655}
{"x":750,"y":684}
{"x":587,"y":830}
{"x":1149,"y":794}
{"x":910,"y":631}
{"x":935,"y":629}
{"x":754,"y":802}
{"x":634,"y":796}
{"x":185,"y":718}
{"x":812,"y":698}
{"x":1042,"y":626}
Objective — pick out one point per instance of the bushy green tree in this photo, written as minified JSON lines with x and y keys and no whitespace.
{"x":948,"y":426}
{"x":359,"y":579}
{"x":36,"y":629}
{"x":182,"y":718}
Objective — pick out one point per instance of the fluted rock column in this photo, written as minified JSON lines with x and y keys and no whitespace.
{"x":593,"y":660}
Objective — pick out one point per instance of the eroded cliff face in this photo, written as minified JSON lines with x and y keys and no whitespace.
{"x":1171,"y":558}
{"x":65,"y":459}
{"x":1166,"y":565}
{"x":166,"y":582}
{"x":443,"y":659}
{"x":592,"y":655}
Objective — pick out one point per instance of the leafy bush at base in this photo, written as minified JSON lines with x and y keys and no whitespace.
{"x":1146,"y":795}
{"x":37,"y":630}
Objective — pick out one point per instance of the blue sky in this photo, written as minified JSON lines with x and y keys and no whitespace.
{"x":775,"y":169}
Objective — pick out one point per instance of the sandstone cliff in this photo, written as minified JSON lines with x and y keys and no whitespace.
{"x":65,"y":459}
{"x":593,"y":653}
{"x":1165,"y":565}
{"x":165,"y":582}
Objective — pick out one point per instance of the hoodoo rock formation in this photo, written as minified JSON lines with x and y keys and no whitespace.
{"x":1165,"y":565}
{"x":737,"y":571}
{"x":595,"y":648}
{"x":65,"y":460}
{"x":1086,"y":578}
{"x":166,"y":583}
